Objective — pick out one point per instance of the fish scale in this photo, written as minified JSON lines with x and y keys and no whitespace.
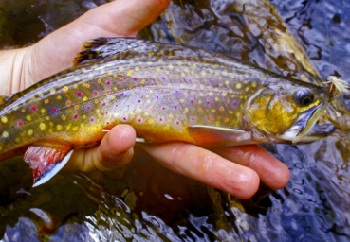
{"x":166,"y":92}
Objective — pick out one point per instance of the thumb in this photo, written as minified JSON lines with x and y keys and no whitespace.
{"x":122,"y":18}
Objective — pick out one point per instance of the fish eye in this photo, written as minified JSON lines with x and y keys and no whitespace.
{"x":304,"y":97}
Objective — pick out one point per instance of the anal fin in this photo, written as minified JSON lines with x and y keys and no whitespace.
{"x":45,"y":162}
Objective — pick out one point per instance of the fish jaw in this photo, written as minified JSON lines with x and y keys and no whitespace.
{"x":311,"y":131}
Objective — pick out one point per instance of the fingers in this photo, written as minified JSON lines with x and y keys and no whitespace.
{"x":116,"y":150}
{"x":205,"y":166}
{"x":270,"y":170}
{"x":118,"y":18}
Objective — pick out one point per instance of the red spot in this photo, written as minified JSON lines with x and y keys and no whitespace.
{"x":135,"y":79}
{"x":124,"y":118}
{"x":161,"y":119}
{"x":208,"y":102}
{"x":234,"y":103}
{"x":121,"y":80}
{"x":103,"y":104}
{"x":33,"y":108}
{"x":75,"y":116}
{"x":138,"y":101}
{"x":116,"y":105}
{"x":177,"y":122}
{"x":108,"y":82}
{"x":79,"y":94}
{"x":92,"y":120}
{"x":163,"y":108}
{"x":122,"y":94}
{"x":96,"y":93}
{"x":139,"y":120}
{"x":208,"y":118}
{"x":88,"y":108}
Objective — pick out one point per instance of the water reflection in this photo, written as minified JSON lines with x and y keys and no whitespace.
{"x":148,"y":202}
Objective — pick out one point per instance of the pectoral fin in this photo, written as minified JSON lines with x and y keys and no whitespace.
{"x":45,"y":161}
{"x":210,"y":136}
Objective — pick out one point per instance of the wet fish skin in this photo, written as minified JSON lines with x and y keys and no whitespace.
{"x":166,"y":92}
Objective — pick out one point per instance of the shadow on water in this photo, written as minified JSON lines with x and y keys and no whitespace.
{"x":149,"y":202}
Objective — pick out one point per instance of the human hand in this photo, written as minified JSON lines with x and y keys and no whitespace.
{"x":234,"y":169}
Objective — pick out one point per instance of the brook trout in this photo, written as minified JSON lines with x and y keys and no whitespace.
{"x":166,"y":92}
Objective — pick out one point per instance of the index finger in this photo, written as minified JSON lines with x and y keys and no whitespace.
{"x":205,"y":166}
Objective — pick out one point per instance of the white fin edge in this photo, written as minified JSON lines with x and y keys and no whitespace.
{"x":47,"y":176}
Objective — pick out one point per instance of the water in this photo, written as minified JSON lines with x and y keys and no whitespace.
{"x":143,"y":203}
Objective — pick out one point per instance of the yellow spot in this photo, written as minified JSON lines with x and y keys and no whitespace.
{"x":96,"y":101}
{"x":150,"y":121}
{"x":121,"y":68}
{"x":4,"y":119}
{"x":171,"y":66}
{"x":254,"y":84}
{"x":47,"y":118}
{"x":65,"y":88}
{"x":52,"y":91}
{"x":59,"y":127}
{"x":99,"y":80}
{"x":29,"y":118}
{"x":87,"y":85}
{"x":171,"y":115}
{"x":131,"y":85}
{"x":63,"y":117}
{"x":227,"y":120}
{"x":59,"y":97}
{"x":75,"y":86}
{"x":68,"y":127}
{"x":85,"y":98}
{"x":75,"y":128}
{"x":110,"y":73}
{"x":158,"y":68}
{"x":247,"y":89}
{"x":203,"y":73}
{"x":222,"y":109}
{"x":30,"y":132}
{"x":17,"y":140}
{"x":129,"y":73}
{"x":51,"y":124}
{"x":43,"y":110}
{"x":201,"y":87}
{"x":5,"y":134}
{"x":42,"y":126}
{"x":238,"y":86}
{"x":46,"y":101}
{"x":137,"y":68}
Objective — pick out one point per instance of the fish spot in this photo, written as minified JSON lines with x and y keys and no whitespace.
{"x":88,"y":107}
{"x":108,"y":82}
{"x":19,"y":124}
{"x":5,"y":134}
{"x":33,"y":108}
{"x":75,"y":116}
{"x":54,"y":110}
{"x":92,"y":120}
{"x":79,"y":94}
{"x":42,"y":126}
{"x":4,"y":119}
{"x":234,"y":103}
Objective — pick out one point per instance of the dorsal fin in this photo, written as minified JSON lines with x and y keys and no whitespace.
{"x":129,"y":48}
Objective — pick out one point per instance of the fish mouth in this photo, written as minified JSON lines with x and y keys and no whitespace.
{"x":306,"y":129}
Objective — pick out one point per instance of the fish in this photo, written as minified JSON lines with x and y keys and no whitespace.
{"x":167,"y":92}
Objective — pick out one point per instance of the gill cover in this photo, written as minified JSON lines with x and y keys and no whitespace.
{"x":286,"y":110}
